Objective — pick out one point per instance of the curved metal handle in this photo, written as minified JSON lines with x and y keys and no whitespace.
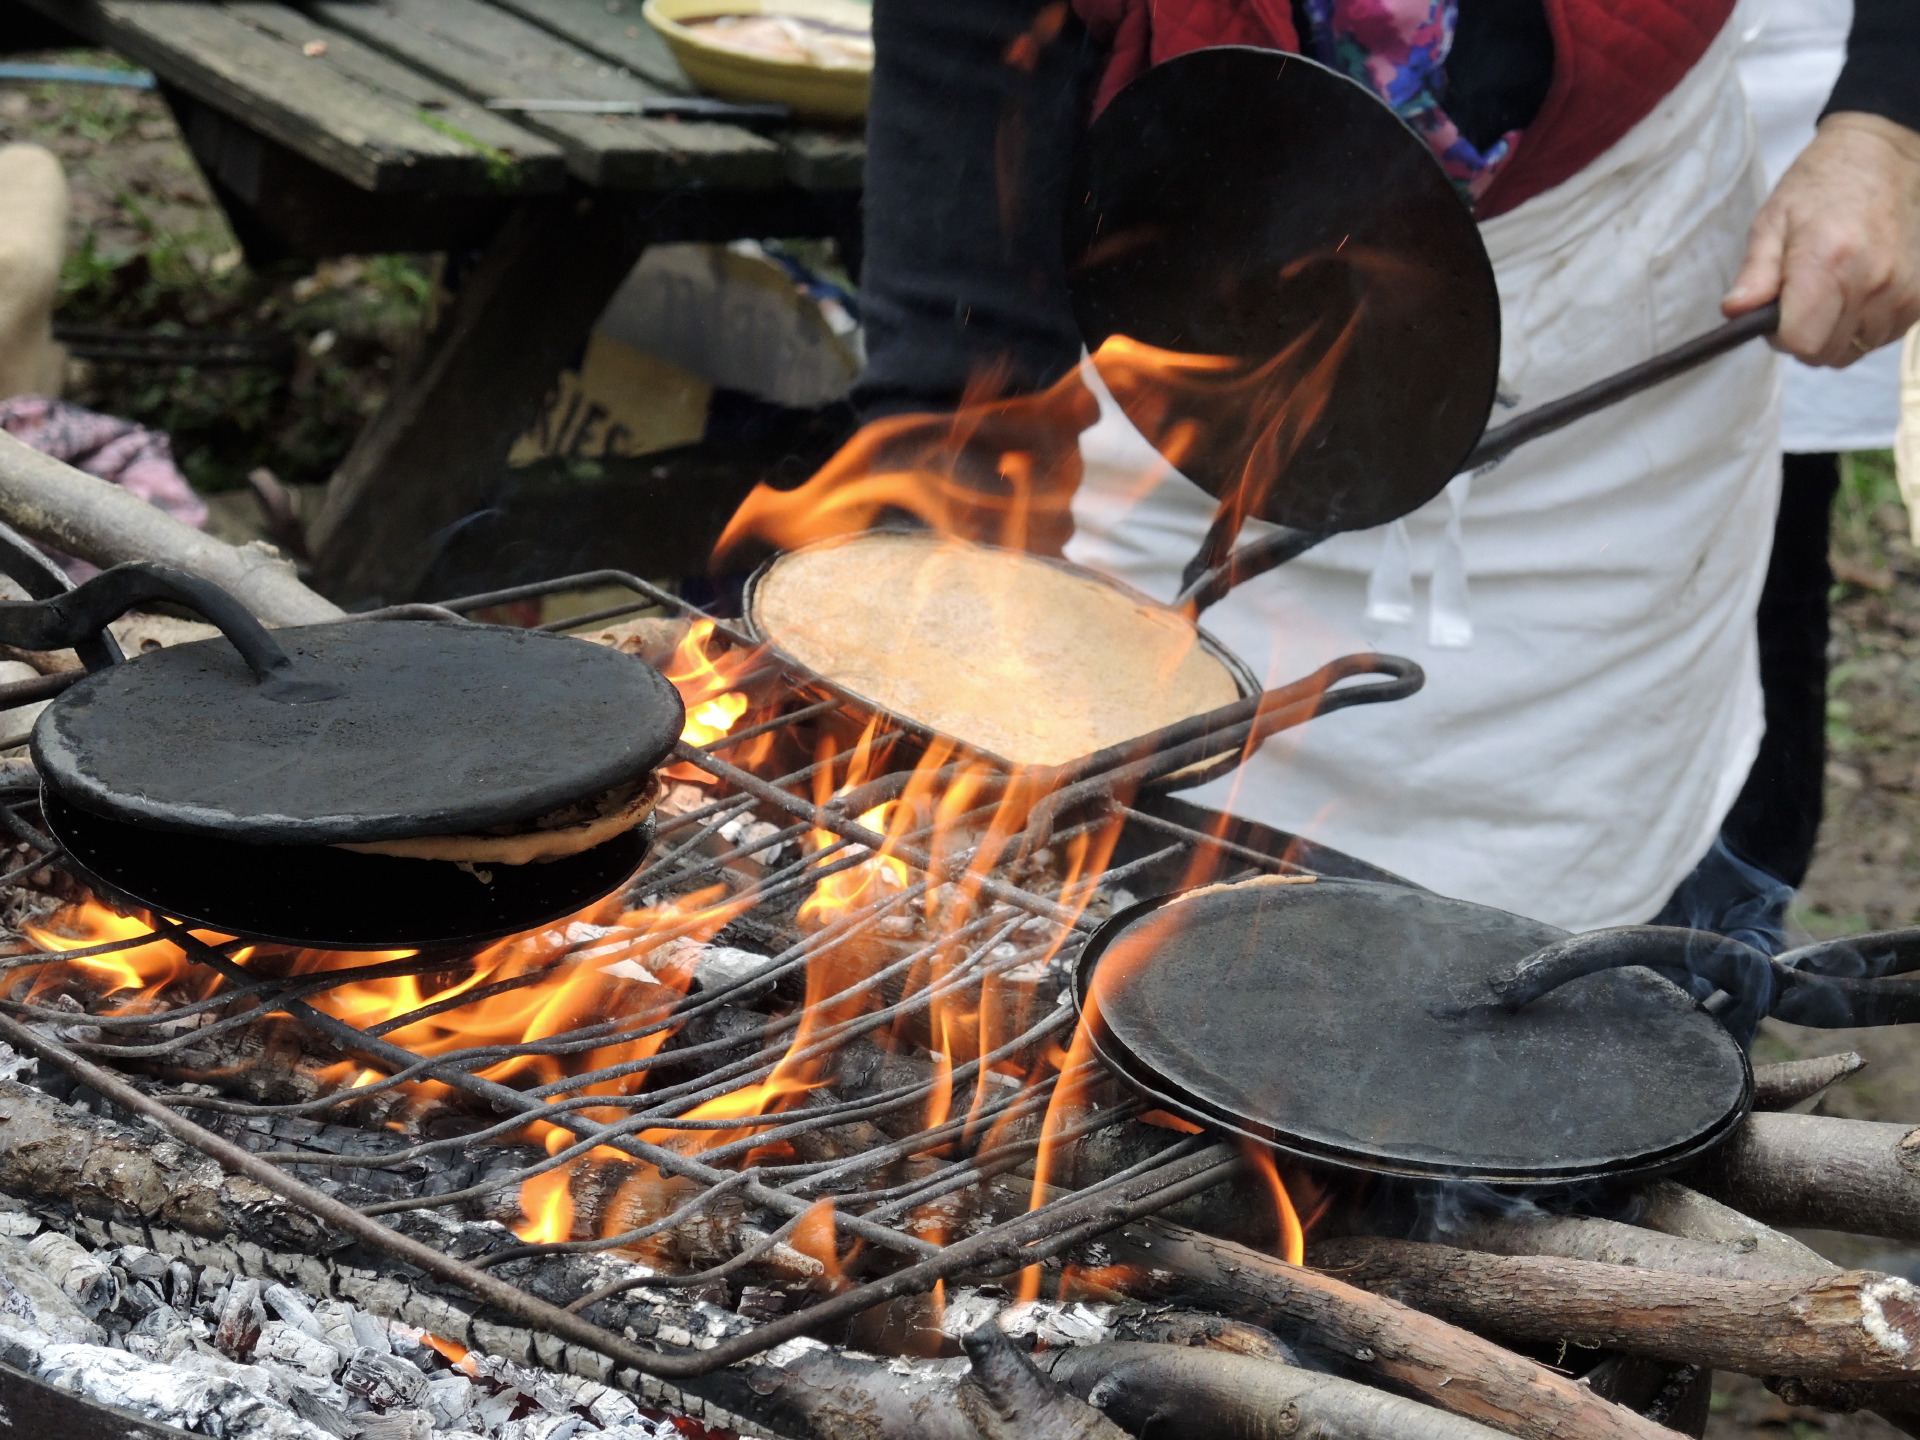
{"x":79,"y":614}
{"x":1830,"y":986}
{"x":24,"y":563}
{"x":1240,"y":725}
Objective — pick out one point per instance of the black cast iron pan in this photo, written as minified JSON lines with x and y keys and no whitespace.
{"x":1380,"y":1028}
{"x":1254,"y":205}
{"x":211,"y":780}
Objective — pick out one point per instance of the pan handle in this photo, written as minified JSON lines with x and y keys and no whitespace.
{"x":1215,"y":569}
{"x":1241,"y":725}
{"x":26,"y":565}
{"x":75,"y":616}
{"x":1503,"y":440}
{"x":1834,"y":985}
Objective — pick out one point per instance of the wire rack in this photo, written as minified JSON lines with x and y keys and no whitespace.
{"x":870,"y":975}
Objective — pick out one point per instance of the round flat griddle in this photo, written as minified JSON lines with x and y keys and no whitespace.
{"x":1351,"y":1023}
{"x":326,"y":899}
{"x":1250,"y":204}
{"x":427,"y":728}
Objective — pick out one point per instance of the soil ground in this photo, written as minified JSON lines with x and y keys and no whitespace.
{"x":149,"y":249}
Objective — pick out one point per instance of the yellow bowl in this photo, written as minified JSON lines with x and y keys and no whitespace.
{"x":818,"y":92}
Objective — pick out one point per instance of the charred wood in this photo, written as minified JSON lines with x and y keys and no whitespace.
{"x":1370,"y":1336}
{"x":1179,"y":1393}
{"x":1854,"y":1325}
{"x":1782,"y":1086}
{"x":1861,"y":1176}
{"x":51,"y":1150}
{"x":1007,"y":1398}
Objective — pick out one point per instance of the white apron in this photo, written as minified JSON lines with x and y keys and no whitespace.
{"x":1592,"y":702}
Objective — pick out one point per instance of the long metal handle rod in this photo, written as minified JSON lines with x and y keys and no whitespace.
{"x":1503,"y":440}
{"x":1259,"y":556}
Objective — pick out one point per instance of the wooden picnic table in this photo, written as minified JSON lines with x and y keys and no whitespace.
{"x":363,"y":126}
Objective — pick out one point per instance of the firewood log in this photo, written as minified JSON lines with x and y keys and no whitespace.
{"x":1861,"y":1176}
{"x":1853,"y":1325}
{"x":1380,"y":1339}
{"x":1179,"y":1393}
{"x":1673,"y":1209}
{"x":50,"y":1150}
{"x":98,"y":521}
{"x":1608,"y":1242}
{"x":1782,"y":1086}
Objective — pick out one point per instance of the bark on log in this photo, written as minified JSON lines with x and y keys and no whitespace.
{"x":1861,"y":1176}
{"x":1390,"y":1343}
{"x":1176,"y":1393}
{"x":1782,"y":1086}
{"x":1673,"y":1209}
{"x":1007,"y":1398}
{"x":51,"y":1150}
{"x":100,"y":522}
{"x":1608,"y":1242}
{"x":1854,"y":1325}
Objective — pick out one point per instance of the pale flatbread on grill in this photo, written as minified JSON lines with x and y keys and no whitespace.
{"x":553,"y":836}
{"x":1005,"y":652}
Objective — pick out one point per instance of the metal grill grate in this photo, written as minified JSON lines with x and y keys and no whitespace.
{"x":1013,"y":931}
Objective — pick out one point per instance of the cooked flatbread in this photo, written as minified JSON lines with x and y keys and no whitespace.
{"x":553,"y":836}
{"x":1009,"y":653}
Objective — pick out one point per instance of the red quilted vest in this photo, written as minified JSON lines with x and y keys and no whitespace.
{"x":1614,"y":60}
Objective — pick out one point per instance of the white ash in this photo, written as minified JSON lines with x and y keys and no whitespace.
{"x":745,"y":830}
{"x":1048,"y":1322}
{"x":31,"y":1301}
{"x":236,"y":1358}
{"x":712,"y":967}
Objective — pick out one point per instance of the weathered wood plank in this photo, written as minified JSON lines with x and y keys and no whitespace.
{"x":438,"y":449}
{"x":489,"y":54}
{"x":825,"y":159}
{"x":514,"y":157}
{"x":312,"y":104}
{"x":611,"y":29}
{"x":615,"y":31}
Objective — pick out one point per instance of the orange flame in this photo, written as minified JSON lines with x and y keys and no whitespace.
{"x":1293,"y":1235}
{"x":814,"y":1236}
{"x":453,"y":1350}
{"x":547,"y":1202}
{"x":139,"y":968}
{"x":705,"y":674}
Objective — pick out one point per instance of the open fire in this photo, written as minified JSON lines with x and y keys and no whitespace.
{"x":815,"y":1071}
{"x":587,"y":1007}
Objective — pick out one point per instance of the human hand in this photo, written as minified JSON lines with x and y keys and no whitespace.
{"x":1838,"y":243}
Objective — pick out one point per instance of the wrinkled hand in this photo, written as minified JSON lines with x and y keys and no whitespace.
{"x":1838,"y":243}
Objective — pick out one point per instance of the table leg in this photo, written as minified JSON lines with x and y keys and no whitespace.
{"x":437,"y":451}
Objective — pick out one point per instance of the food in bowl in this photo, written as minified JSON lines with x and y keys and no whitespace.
{"x":794,"y":38}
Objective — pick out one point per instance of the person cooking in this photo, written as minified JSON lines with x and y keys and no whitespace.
{"x":1585,"y":609}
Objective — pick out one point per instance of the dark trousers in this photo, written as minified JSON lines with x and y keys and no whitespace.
{"x":1777,"y":818}
{"x":1743,"y":885}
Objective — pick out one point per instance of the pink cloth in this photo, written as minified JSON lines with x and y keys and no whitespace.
{"x":131,"y":456}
